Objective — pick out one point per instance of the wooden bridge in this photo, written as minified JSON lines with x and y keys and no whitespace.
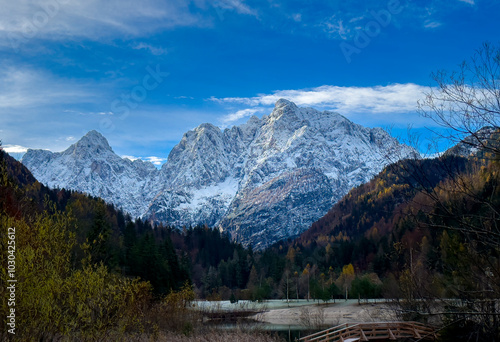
{"x":373,"y":331}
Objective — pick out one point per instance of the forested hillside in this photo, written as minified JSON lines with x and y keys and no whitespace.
{"x":54,"y":259}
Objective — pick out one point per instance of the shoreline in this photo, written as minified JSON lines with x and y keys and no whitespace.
{"x":328,"y":314}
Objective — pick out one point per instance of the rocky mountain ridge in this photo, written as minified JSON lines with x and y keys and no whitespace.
{"x":262,"y":181}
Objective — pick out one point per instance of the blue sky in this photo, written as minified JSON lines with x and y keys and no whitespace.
{"x":143,"y":73}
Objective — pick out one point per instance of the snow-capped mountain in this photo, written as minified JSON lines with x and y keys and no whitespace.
{"x":262,"y":181}
{"x":91,"y":166}
{"x":485,"y":138}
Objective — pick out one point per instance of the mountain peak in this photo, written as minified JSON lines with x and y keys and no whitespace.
{"x":95,"y":141}
{"x":91,"y":166}
{"x":281,"y":103}
{"x":284,"y":109}
{"x":94,"y":135}
{"x":208,"y":127}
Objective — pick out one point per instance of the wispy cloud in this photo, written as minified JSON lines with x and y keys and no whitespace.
{"x":344,"y":20}
{"x":336,"y":28}
{"x":297,"y":17}
{"x":395,"y":98}
{"x":96,"y":19}
{"x":432,"y":24}
{"x":154,"y":50}
{"x":240,"y":114}
{"x":49,"y":109}
{"x":21,"y":21}
{"x":27,"y":87}
{"x":238,"y":5}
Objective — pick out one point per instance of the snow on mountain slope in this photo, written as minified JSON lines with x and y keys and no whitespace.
{"x":262,"y":181}
{"x":91,"y":166}
{"x":300,"y":163}
{"x":485,"y":138}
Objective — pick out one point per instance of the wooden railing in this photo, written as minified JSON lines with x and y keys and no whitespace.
{"x":373,"y":331}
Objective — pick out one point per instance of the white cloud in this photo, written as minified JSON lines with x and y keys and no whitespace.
{"x":27,"y":87}
{"x":71,"y":111}
{"x":132,"y":158}
{"x":154,"y":50}
{"x":336,"y":28}
{"x":394,"y":98}
{"x":15,"y":149}
{"x":237,"y":5}
{"x":344,"y":20}
{"x":21,"y":21}
{"x":297,"y":17}
{"x":70,"y":139}
{"x":353,"y":20}
{"x":432,"y":24}
{"x":156,"y":160}
{"x":227,"y":119}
